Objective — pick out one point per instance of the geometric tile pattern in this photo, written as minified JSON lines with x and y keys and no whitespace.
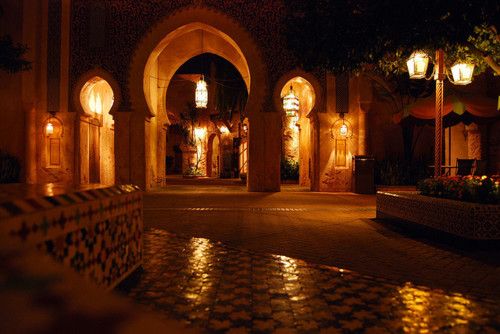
{"x":98,"y":233}
{"x":467,"y":220}
{"x":220,"y":289}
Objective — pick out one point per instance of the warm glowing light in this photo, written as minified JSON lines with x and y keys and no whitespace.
{"x":200,"y":133}
{"x":343,"y":130}
{"x":98,"y":104}
{"x":462,"y":73}
{"x":291,"y":103}
{"x":201,"y":94}
{"x":95,"y":103}
{"x":223,"y":129}
{"x":49,"y":129}
{"x":245,"y":127}
{"x":417,"y":65}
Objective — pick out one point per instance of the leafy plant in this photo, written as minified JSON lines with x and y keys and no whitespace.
{"x":478,"y":189}
{"x":289,"y":169}
{"x":10,"y":168}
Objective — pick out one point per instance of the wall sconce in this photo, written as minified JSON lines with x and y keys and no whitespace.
{"x":49,"y":129}
{"x":223,"y":129}
{"x":341,"y":128}
{"x":53,"y":126}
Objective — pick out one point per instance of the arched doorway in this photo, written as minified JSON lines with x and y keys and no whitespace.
{"x":170,"y":44}
{"x":298,"y":142}
{"x":213,"y":156}
{"x":96,"y":154}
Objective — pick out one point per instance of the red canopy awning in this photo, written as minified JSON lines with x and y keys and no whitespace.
{"x":476,"y":105}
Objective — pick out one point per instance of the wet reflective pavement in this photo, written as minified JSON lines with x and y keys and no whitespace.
{"x":222,"y":289}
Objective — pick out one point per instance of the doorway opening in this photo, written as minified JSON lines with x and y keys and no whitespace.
{"x":296,"y":144}
{"x":96,"y":133}
{"x":205,"y":142}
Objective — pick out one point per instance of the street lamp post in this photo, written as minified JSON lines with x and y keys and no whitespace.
{"x":438,"y":140}
{"x":462,"y":75}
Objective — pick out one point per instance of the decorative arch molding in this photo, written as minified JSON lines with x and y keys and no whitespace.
{"x":312,"y":153}
{"x":86,"y":77}
{"x":144,"y":129}
{"x":157,"y":39}
{"x":311,"y":79}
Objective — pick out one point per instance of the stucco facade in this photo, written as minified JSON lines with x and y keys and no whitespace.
{"x":136,"y":47}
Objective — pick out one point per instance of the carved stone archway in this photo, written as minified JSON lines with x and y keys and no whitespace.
{"x":311,"y":166}
{"x":161,"y":52}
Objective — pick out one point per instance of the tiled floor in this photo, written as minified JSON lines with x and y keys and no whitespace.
{"x":218,"y":288}
{"x":331,"y":229}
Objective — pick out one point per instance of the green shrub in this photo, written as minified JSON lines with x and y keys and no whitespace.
{"x":289,"y":169}
{"x":477,"y":189}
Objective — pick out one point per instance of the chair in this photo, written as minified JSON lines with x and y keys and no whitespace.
{"x":481,"y":167}
{"x":464,"y":166}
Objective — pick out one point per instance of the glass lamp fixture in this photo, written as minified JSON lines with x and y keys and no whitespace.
{"x":201,"y":94}
{"x":417,"y":65}
{"x":343,"y":130}
{"x":223,"y":129}
{"x":200,"y":133}
{"x":291,"y":103}
{"x":49,"y":129}
{"x":462,"y":73}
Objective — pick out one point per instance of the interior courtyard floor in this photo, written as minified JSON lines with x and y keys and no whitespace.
{"x":222,"y":258}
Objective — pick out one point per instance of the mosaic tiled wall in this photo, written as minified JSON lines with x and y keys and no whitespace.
{"x":96,"y":232}
{"x":467,"y":220}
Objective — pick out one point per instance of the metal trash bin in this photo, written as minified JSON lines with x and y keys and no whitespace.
{"x":363,"y":174}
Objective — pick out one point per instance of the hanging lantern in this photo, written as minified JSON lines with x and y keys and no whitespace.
{"x":201,"y":94}
{"x":417,"y":65}
{"x":291,"y":103}
{"x":49,"y":129}
{"x":462,"y":73}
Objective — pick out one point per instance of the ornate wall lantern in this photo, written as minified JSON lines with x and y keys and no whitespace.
{"x":341,"y":128}
{"x":201,"y":94}
{"x":462,"y":73}
{"x":417,"y":65}
{"x":291,"y":103}
{"x":49,"y":129}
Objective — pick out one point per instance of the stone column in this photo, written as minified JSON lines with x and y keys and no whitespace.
{"x":362,"y":130}
{"x":264,"y":151}
{"x":122,"y":147}
{"x":365,"y":99}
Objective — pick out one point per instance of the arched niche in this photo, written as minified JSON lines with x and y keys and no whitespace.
{"x":299,"y":144}
{"x":96,"y":97}
{"x":53,"y":135}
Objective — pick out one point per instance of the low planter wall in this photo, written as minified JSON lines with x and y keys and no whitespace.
{"x":464,"y":219}
{"x":96,"y":232}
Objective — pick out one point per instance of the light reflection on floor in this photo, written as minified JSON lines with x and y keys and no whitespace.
{"x":219,"y":289}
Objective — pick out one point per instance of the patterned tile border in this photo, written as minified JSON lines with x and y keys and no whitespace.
{"x":467,"y":220}
{"x":96,"y":232}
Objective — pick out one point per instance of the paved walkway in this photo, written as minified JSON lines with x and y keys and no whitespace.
{"x":330,"y":229}
{"x":221,"y":289}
